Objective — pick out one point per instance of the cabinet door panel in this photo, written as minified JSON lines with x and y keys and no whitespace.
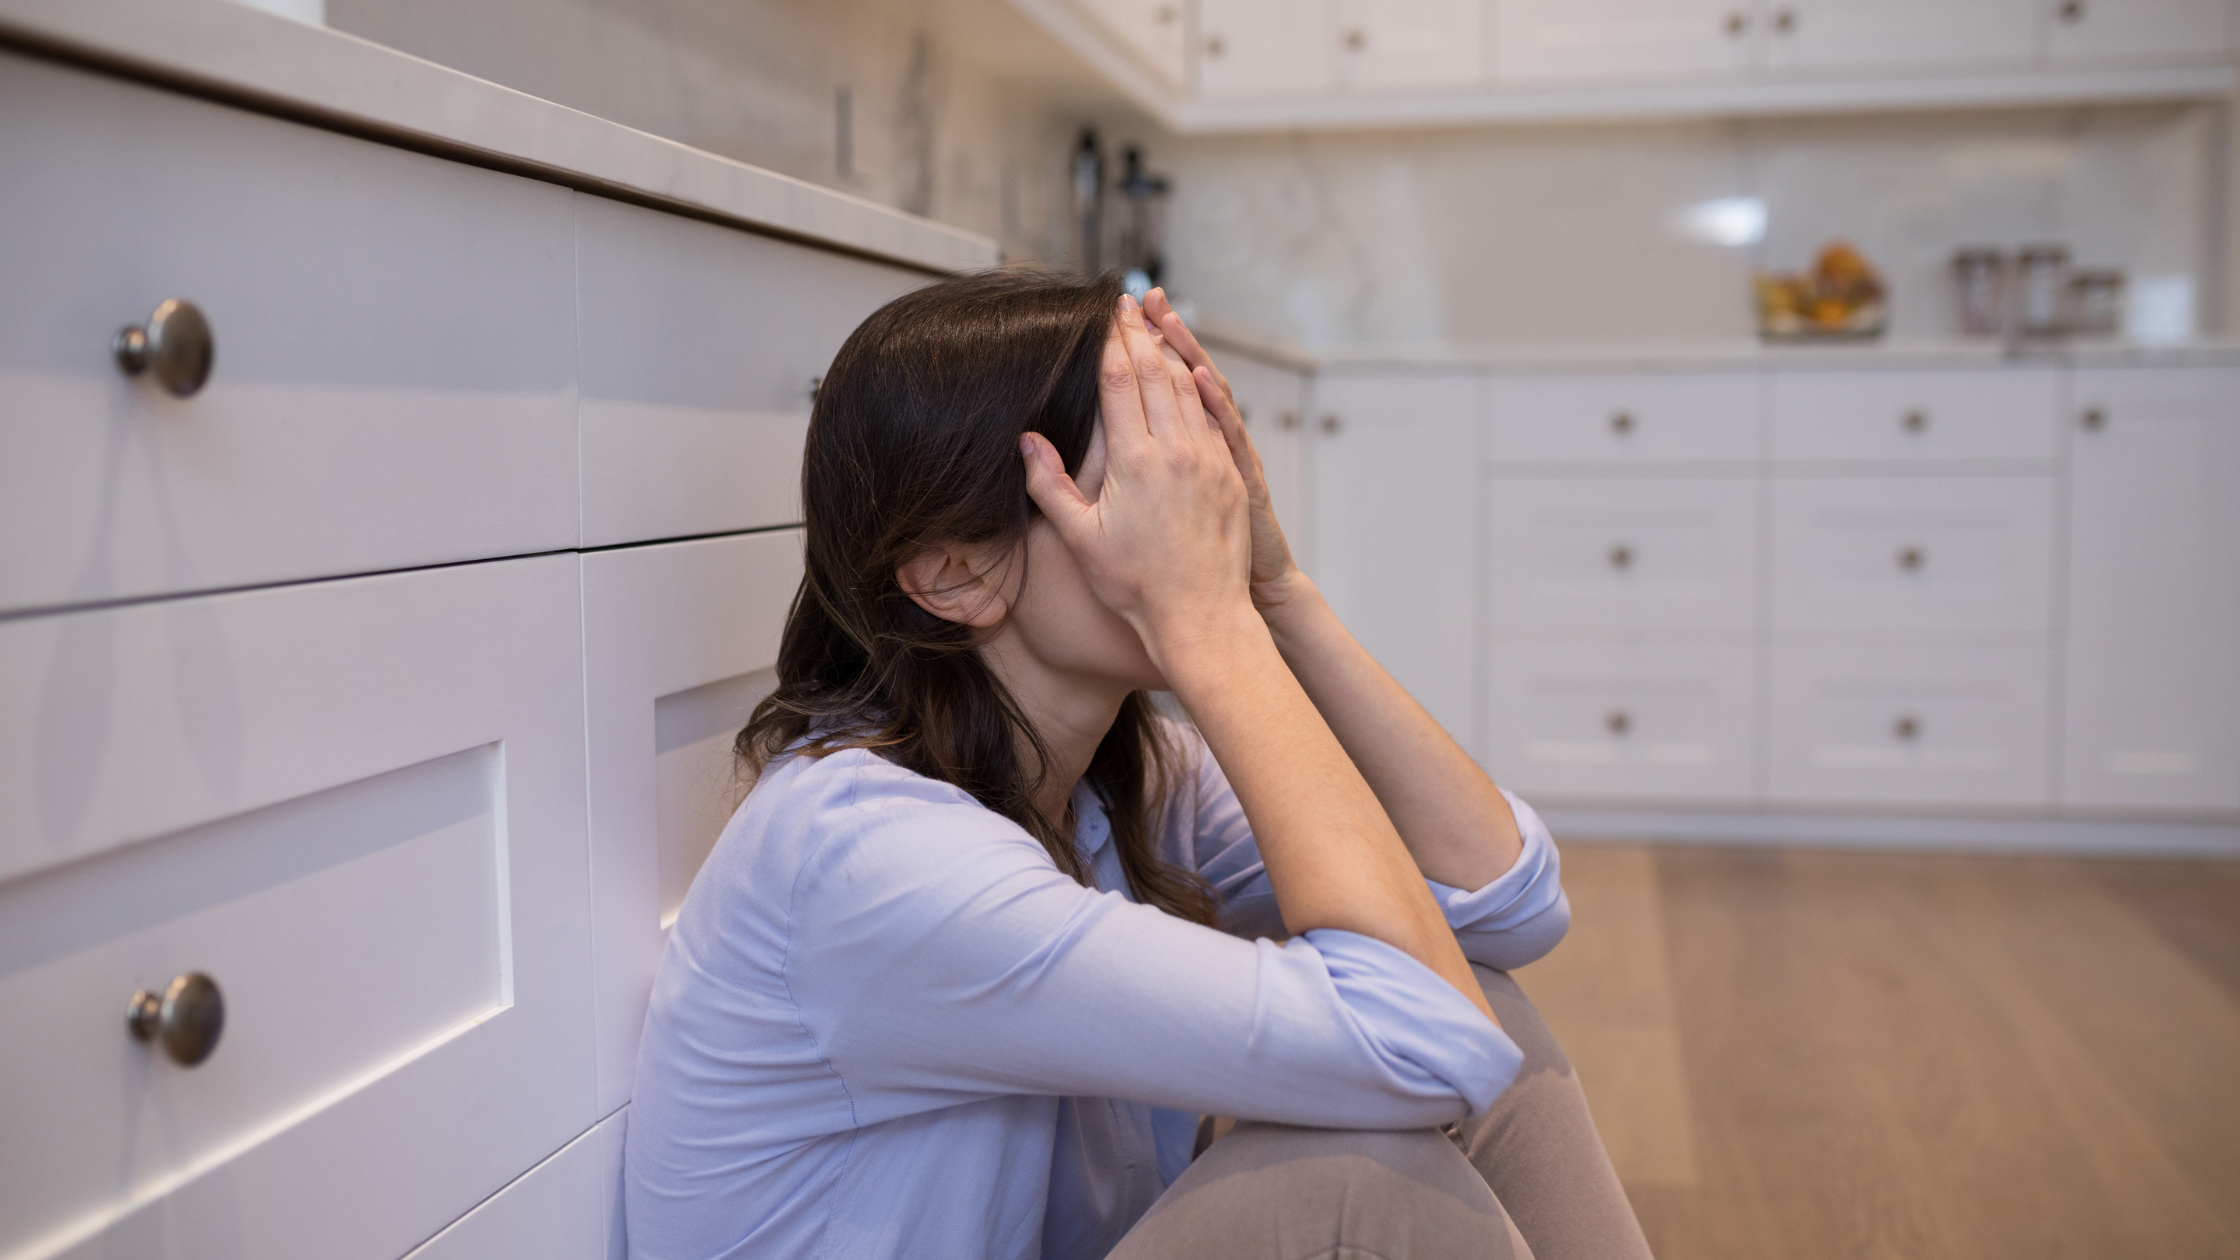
{"x":1908,"y":726}
{"x":357,"y":806}
{"x":2089,"y":30}
{"x":1157,"y":32}
{"x":1263,"y":48}
{"x":1857,"y":554}
{"x":1564,"y":40}
{"x":1621,"y":719}
{"x":2154,"y":592}
{"x":1916,"y":417}
{"x":395,"y":355}
{"x":563,"y":1209}
{"x":1403,"y":44}
{"x":1843,"y":34}
{"x":1619,"y":419}
{"x":1273,"y":400}
{"x":1621,"y":553}
{"x":701,"y":346}
{"x":1395,"y":529}
{"x":680,"y":641}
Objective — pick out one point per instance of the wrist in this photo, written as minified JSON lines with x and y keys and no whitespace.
{"x":1291,"y":606}
{"x":1205,"y":646}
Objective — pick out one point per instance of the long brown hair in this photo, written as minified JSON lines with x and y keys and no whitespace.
{"x":913,"y":440}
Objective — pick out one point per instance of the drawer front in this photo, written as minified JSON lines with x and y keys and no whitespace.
{"x":357,"y":806}
{"x":395,"y":349}
{"x":567,"y":1208}
{"x":1916,"y":417}
{"x":680,"y":641}
{"x":1620,"y":418}
{"x":700,"y":347}
{"x":1622,"y":720}
{"x":1939,"y":554}
{"x":1908,"y":726}
{"x":1632,"y":553}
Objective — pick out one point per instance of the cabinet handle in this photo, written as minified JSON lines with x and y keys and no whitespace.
{"x":1356,"y":39}
{"x":185,"y":1019}
{"x":1621,"y":422}
{"x":2094,"y":419}
{"x":1784,"y":20}
{"x":1216,"y":46}
{"x":1621,"y":556}
{"x":1907,"y":727}
{"x":2072,"y":11}
{"x":174,"y":346}
{"x":1167,"y":15}
{"x":1618,"y":721}
{"x":1331,"y":423}
{"x":1735,"y":23}
{"x":1287,"y":421}
{"x":1912,"y":558}
{"x":1915,"y":420}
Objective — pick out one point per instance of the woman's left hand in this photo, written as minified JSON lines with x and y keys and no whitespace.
{"x":1275,"y":578}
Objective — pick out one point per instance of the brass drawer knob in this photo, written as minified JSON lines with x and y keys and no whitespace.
{"x":174,"y":346}
{"x":1915,"y":420}
{"x":1331,"y":423}
{"x":1912,"y":558}
{"x":2094,"y":419}
{"x":1287,"y":421}
{"x":1735,"y":23}
{"x":185,"y":1019}
{"x":1621,"y":422}
{"x":2072,"y":11}
{"x":1621,"y":557}
{"x":1906,"y":728}
{"x":1619,"y":721}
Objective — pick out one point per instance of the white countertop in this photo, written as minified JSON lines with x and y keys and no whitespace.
{"x":245,"y":56}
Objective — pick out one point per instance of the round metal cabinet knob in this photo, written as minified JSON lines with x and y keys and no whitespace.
{"x":1619,"y":721}
{"x":1915,"y":421}
{"x":1621,"y":556}
{"x":1907,"y":727}
{"x":1216,"y":46}
{"x":1784,"y":20}
{"x":1912,"y":558}
{"x":1356,"y":39}
{"x":1331,"y":423}
{"x":2072,"y":11}
{"x":2094,"y":419}
{"x":174,"y":346}
{"x":1735,"y":23}
{"x":185,"y":1019}
{"x":1288,"y":421}
{"x":1621,"y":422}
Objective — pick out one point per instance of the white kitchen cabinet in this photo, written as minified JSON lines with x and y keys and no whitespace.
{"x":2153,"y":653}
{"x":395,"y":349}
{"x":680,"y":643}
{"x":2094,"y":30}
{"x":701,"y":346}
{"x":1388,"y":45}
{"x":1612,"y":553}
{"x":1622,"y":718}
{"x":1549,"y":41}
{"x":1155,"y":32}
{"x":1621,"y":419}
{"x":1249,"y":48}
{"x":1899,"y":34}
{"x":1913,"y":419}
{"x":1395,"y":528}
{"x":1873,"y":555}
{"x":1273,"y":399}
{"x":563,"y":1209}
{"x":1895,"y":724}
{"x":358,"y":806}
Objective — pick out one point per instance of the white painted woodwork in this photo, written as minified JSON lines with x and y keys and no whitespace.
{"x":1395,"y":530}
{"x":1632,"y":718}
{"x":566,"y":1208}
{"x":701,"y":345}
{"x":1916,"y":417}
{"x":1620,"y":419}
{"x":2153,"y":652}
{"x":679,"y":644}
{"x":358,"y":805}
{"x":1634,"y":553}
{"x":1868,"y":555}
{"x":1252,"y":48}
{"x":2092,"y":30}
{"x":1901,"y":35}
{"x":1892,"y":724}
{"x":1155,"y":32}
{"x":1393,"y":45}
{"x":1274,"y":401}
{"x":1553,"y":41}
{"x":395,"y":349}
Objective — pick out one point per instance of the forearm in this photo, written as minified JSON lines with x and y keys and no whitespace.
{"x":1454,"y":821}
{"x":1334,"y":859}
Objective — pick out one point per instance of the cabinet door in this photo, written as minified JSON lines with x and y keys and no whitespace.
{"x":1273,"y":400}
{"x":702,"y":347}
{"x":1897,"y":34}
{"x":680,"y":641}
{"x":1621,"y":419}
{"x":1910,"y":419}
{"x":2088,"y":30}
{"x":1538,"y":41}
{"x":1263,"y":47}
{"x":1154,"y":31}
{"x":1633,"y":553}
{"x":1404,"y":44}
{"x":2154,"y":591}
{"x":1395,"y":529}
{"x":1622,"y":719}
{"x":358,"y":807}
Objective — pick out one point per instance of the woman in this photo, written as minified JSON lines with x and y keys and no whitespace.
{"x":990,"y":934}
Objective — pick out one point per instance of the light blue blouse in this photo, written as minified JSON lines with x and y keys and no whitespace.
{"x":887,"y":1025}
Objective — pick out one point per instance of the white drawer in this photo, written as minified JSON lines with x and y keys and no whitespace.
{"x":1622,"y":720}
{"x":1909,"y":417}
{"x":680,"y":641}
{"x":1619,"y":418}
{"x":1931,"y":553}
{"x":1908,"y":726}
{"x":358,"y":806}
{"x":1630,"y":553}
{"x":567,"y":1208}
{"x":700,"y":346}
{"x":394,"y":334}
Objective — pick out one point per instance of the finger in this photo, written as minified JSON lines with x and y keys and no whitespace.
{"x":1230,"y":424}
{"x":1185,"y":342}
{"x":1119,"y":396}
{"x":1154,"y":383}
{"x":1051,"y":489}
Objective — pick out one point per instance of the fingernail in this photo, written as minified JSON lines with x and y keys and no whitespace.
{"x":1127,"y":303}
{"x":1026,"y":445}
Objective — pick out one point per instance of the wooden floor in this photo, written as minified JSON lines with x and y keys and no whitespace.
{"x":1798,"y":1054}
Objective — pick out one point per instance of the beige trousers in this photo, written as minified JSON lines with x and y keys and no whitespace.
{"x":1527,"y":1179}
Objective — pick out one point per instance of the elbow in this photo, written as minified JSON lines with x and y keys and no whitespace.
{"x":1518,"y":944}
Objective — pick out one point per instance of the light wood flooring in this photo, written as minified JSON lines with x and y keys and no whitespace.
{"x":1798,"y":1054}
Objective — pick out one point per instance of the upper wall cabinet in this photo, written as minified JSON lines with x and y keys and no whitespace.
{"x":1385,"y":45}
{"x":1910,"y":35}
{"x":1552,"y":41}
{"x":1262,"y":48}
{"x":2092,"y":30}
{"x":1157,"y":32}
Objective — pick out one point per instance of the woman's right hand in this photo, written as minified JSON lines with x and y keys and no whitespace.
{"x":1167,"y":542}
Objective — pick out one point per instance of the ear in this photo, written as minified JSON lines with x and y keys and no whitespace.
{"x":959,"y":582}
